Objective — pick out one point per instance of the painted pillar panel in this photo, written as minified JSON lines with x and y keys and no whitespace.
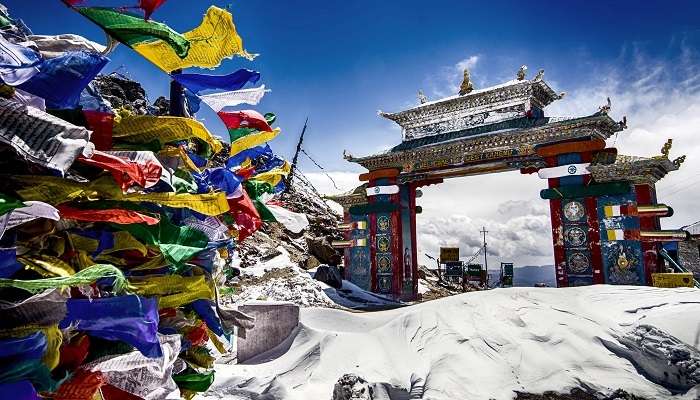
{"x":358,"y":269}
{"x":414,"y":239}
{"x":623,"y":261}
{"x":646,"y":195}
{"x":558,"y":243}
{"x":386,"y":243}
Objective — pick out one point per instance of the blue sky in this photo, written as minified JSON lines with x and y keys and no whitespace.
{"x":339,"y":62}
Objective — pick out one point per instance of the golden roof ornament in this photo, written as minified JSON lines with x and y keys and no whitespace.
{"x":678,"y":161}
{"x":666,"y":149}
{"x":606,"y":108}
{"x":466,"y":85}
{"x":521,"y":73}
{"x":422,"y":98}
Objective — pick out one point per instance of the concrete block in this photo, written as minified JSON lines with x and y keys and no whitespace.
{"x":274,"y":322}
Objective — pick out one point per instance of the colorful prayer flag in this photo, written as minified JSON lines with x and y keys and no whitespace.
{"x":218,"y":101}
{"x":233,"y":81}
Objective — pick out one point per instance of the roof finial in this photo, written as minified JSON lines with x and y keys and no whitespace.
{"x":521,"y":72}
{"x":667,"y":148}
{"x":347,"y":155}
{"x":606,"y":108}
{"x":539,"y":75}
{"x":422,"y":98}
{"x":466,"y":85}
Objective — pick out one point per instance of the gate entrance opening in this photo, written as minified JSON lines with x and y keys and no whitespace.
{"x":604,"y":213}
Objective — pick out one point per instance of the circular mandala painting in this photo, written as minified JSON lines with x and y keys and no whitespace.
{"x":383,"y":243}
{"x":383,"y":223}
{"x":578,"y":263}
{"x":574,"y":210}
{"x":384,"y":264}
{"x":575,"y":236}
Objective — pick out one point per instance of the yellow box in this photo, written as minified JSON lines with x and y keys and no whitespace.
{"x":672,"y":280}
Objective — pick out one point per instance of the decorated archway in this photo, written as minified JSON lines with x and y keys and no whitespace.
{"x":603,"y":206}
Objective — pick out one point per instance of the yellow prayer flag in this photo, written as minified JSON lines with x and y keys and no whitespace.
{"x":252,"y":140}
{"x":174,"y":290}
{"x":46,"y":266}
{"x":211,"y":204}
{"x":147,"y":128}
{"x":212,"y":41}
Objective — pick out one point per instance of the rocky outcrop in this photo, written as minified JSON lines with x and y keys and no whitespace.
{"x":352,"y":387}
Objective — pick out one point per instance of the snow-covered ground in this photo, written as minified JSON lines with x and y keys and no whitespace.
{"x":486,"y":345}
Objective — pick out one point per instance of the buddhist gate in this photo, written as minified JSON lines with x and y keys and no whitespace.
{"x":604,"y":211}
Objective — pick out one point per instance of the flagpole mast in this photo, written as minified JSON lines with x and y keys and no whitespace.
{"x":296,"y":155}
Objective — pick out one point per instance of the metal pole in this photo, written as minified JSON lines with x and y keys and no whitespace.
{"x":486,"y":262}
{"x":296,"y":156}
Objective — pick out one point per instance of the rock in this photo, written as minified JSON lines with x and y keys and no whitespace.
{"x":121,"y":91}
{"x":352,"y":387}
{"x":330,"y":275}
{"x":311,"y":262}
{"x":321,"y":248}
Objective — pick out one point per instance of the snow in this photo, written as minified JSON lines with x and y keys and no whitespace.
{"x":483,"y":345}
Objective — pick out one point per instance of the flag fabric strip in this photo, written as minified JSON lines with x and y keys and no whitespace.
{"x":31,"y":211}
{"x":132,"y":29}
{"x":618,"y":210}
{"x":42,"y":138}
{"x":218,"y":101}
{"x":211,"y":42}
{"x":18,"y":64}
{"x":294,"y":222}
{"x":622,"y":234}
{"x":116,"y":216}
{"x":126,"y":172}
{"x":51,"y":46}
{"x":164,"y":129}
{"x":377,"y":190}
{"x":252,"y":140}
{"x":564,"y":170}
{"x":244,"y":119}
{"x":199,"y":82}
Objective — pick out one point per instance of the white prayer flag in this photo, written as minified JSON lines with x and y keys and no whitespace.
{"x":217,"y":101}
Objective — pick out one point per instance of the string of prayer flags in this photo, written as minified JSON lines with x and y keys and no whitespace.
{"x":252,"y":140}
{"x":197,"y":83}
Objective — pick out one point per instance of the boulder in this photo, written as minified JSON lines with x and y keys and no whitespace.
{"x":330,"y":275}
{"x":352,"y":387}
{"x":320,"y":247}
{"x":310,"y":262}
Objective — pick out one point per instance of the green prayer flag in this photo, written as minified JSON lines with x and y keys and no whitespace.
{"x":190,"y":380}
{"x":255,"y":190}
{"x":132,"y":29}
{"x":238,"y":133}
{"x":8,"y":203}
{"x":177,"y":243}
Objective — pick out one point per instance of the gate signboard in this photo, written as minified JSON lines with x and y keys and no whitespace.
{"x":449,"y":254}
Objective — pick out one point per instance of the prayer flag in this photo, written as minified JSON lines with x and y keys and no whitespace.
{"x":218,"y":101}
{"x":212,"y":41}
{"x":564,"y":170}
{"x":252,"y":140}
{"x":132,"y":30}
{"x":115,"y":216}
{"x":126,"y":172}
{"x":233,"y":81}
{"x":18,"y":64}
{"x":164,"y":129}
{"x":61,"y":80}
{"x":244,"y":119}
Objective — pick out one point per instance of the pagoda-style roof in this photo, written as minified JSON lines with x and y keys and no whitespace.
{"x":509,"y":142}
{"x":638,"y":170}
{"x":513,"y":99}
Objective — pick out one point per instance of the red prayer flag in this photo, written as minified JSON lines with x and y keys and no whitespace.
{"x":244,"y":119}
{"x":101,"y":124}
{"x":245,"y":214}
{"x":81,"y":386}
{"x":117,"y":216}
{"x":125,"y":172}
